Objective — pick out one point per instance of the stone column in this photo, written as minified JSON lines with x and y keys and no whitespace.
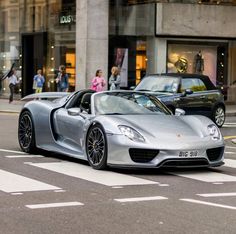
{"x":91,"y":40}
{"x":156,"y":55}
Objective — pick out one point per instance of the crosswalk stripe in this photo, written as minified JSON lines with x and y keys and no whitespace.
{"x":230,"y":147}
{"x":12,"y":151}
{"x":137,"y":199}
{"x":10,"y":183}
{"x":230,"y":163}
{"x":53,"y":205}
{"x":217,"y":195}
{"x":230,"y":152}
{"x":208,"y":203}
{"x":24,"y":156}
{"x":87,"y":173}
{"x":209,"y":176}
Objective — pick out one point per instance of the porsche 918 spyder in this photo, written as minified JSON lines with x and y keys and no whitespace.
{"x":121,"y":129}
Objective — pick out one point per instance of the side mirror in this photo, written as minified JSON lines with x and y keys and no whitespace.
{"x":74,"y":111}
{"x":132,"y":88}
{"x":179,"y":112}
{"x":187,"y":92}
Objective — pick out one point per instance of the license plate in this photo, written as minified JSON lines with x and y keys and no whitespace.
{"x":188,"y":154}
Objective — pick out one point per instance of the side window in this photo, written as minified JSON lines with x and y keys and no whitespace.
{"x":195,"y":84}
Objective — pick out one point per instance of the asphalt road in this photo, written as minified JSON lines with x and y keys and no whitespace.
{"x":49,"y":193}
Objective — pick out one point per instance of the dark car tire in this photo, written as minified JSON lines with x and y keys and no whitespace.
{"x":26,"y":132}
{"x":218,"y":115}
{"x":96,"y":147}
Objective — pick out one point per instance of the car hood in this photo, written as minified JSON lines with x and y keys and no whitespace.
{"x":167,"y":129}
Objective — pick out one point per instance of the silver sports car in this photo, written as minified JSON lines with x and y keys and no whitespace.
{"x":120,"y":128}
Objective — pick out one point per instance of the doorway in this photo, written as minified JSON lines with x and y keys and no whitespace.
{"x":34,"y":51}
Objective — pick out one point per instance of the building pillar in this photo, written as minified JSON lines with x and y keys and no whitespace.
{"x":91,"y":40}
{"x":156,"y":55}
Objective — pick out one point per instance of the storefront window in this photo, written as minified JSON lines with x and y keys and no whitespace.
{"x":37,"y":34}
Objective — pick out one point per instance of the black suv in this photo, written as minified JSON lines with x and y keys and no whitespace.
{"x":194,"y":93}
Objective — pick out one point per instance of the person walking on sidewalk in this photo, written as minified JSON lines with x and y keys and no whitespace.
{"x":62,"y":79}
{"x":98,"y":82}
{"x":114,"y":80}
{"x":38,"y":81}
{"x":13,"y":81}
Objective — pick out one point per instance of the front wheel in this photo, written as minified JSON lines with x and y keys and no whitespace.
{"x":96,"y":147}
{"x":26,"y":134}
{"x":218,"y":116}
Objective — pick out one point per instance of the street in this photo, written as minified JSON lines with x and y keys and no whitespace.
{"x":49,"y":193}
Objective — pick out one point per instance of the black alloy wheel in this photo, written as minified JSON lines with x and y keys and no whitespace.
{"x":96,"y":147}
{"x":26,"y":136}
{"x":219,"y":116}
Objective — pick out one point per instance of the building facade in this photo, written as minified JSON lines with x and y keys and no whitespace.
{"x":139,"y":36}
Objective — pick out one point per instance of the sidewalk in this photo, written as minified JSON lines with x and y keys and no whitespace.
{"x":16,"y":106}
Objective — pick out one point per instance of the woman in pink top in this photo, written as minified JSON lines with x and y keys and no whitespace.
{"x":98,"y":82}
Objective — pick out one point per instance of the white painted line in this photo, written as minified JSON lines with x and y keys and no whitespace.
{"x":217,"y":195}
{"x":137,"y":199}
{"x":12,"y":151}
{"x":16,"y":193}
{"x":117,"y":187}
{"x":230,"y":152}
{"x":164,"y":185}
{"x":217,"y":183}
{"x":10,"y":183}
{"x":52,"y":205}
{"x":230,"y":123}
{"x":206,"y":176}
{"x":230,"y":163}
{"x":209,"y":203}
{"x":24,"y":156}
{"x":60,"y":191}
{"x":107,"y":178}
{"x":230,"y":147}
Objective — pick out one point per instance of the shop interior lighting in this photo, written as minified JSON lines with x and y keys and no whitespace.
{"x":20,"y":67}
{"x":52,"y":46}
{"x":52,"y":58}
{"x":20,"y":55}
{"x":4,"y":56}
{"x":3,"y":67}
{"x":52,"y":69}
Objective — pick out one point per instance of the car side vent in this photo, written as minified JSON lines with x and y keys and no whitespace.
{"x":215,"y":154}
{"x":143,"y":155}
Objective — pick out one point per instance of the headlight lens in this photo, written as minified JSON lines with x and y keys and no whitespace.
{"x":214,"y":132}
{"x":131,"y":133}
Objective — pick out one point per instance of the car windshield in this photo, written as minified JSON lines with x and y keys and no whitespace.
{"x":128,"y":103}
{"x":159,"y":84}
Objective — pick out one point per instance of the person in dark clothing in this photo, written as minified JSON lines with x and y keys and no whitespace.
{"x":62,"y":80}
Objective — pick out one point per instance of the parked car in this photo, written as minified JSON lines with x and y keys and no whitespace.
{"x":121,"y":129}
{"x":195,"y":94}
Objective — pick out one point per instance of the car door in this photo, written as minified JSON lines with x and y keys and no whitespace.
{"x":196,"y":102}
{"x":69,"y":129}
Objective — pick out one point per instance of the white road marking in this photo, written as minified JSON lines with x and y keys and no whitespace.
{"x":12,"y":151}
{"x":117,"y":187}
{"x":164,"y":185}
{"x":87,"y":173}
{"x":218,"y":183}
{"x":217,"y":195}
{"x":208,"y":203}
{"x":137,"y":199}
{"x":11,"y":183}
{"x":60,"y":191}
{"x":16,"y":193}
{"x":230,"y":163}
{"x":230,"y":147}
{"x":52,"y":205}
{"x":230,"y":152}
{"x":25,"y":156}
{"x":206,"y":176}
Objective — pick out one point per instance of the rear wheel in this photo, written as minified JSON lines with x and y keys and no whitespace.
{"x":96,"y":147}
{"x":26,"y":134}
{"x":218,"y":116}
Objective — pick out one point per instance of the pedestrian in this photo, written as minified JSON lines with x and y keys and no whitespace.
{"x":13,"y":81}
{"x":114,"y":80}
{"x":38,"y":81}
{"x":62,"y":79}
{"x":98,"y":82}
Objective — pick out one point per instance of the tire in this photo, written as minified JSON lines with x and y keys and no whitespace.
{"x":218,"y":116}
{"x":26,"y":132}
{"x":96,"y":147}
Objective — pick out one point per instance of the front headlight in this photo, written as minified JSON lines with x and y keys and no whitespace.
{"x":214,"y":132}
{"x":131,"y":133}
